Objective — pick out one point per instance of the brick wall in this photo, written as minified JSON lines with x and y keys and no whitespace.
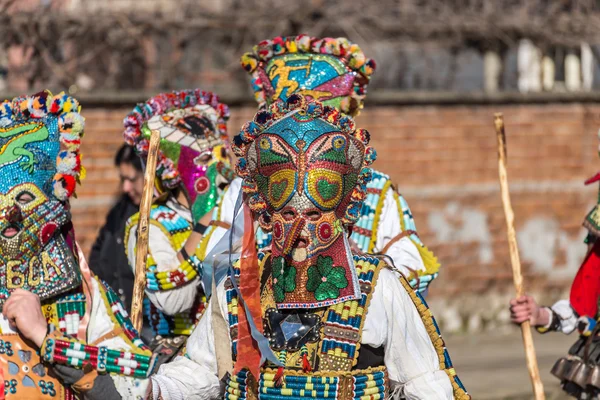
{"x":443,"y":159}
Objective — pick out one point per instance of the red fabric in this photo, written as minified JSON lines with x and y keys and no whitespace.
{"x":248,"y":354}
{"x":586,"y":286}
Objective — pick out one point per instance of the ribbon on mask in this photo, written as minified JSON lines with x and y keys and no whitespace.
{"x":221,"y":259}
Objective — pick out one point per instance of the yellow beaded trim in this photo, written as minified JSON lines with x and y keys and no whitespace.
{"x":438,"y":342}
{"x":268,"y":377}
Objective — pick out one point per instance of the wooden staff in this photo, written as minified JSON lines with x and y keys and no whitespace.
{"x":139,"y":284}
{"x":534,"y":373}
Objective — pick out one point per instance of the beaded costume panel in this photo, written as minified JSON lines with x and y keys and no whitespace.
{"x":334,"y":355}
{"x":331,"y":357}
{"x":26,"y":372}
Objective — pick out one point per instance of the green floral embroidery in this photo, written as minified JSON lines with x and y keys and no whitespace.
{"x":284,"y":279}
{"x":325,"y":280}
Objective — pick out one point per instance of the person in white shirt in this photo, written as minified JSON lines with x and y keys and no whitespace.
{"x":579,"y":372}
{"x":337,"y":324}
{"x":193,"y":173}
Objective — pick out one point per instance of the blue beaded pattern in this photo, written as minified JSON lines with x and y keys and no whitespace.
{"x":319,"y":384}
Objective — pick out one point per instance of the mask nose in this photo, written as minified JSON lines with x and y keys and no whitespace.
{"x":293,"y":235}
{"x":13,"y":214}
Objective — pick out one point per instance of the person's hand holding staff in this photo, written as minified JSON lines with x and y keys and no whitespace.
{"x":534,"y":373}
{"x":141,"y":254}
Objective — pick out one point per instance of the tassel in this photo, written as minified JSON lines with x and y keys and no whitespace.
{"x":279,"y":377}
{"x":305,"y":364}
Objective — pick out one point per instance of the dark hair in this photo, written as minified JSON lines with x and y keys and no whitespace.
{"x":127,"y":155}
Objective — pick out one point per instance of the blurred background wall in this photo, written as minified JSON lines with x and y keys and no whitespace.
{"x":444,"y":68}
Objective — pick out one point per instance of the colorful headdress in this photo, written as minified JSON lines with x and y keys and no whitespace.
{"x":47,"y":154}
{"x":305,"y":172}
{"x":40,"y":165}
{"x":192,"y":124}
{"x":332,"y":71}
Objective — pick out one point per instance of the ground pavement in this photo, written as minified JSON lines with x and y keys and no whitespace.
{"x":492,"y":366}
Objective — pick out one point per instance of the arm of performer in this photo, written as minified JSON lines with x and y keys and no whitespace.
{"x":167,"y":259}
{"x":403,"y":251}
{"x":193,"y":376}
{"x":86,"y":367}
{"x":560,"y":317}
{"x":410,"y":357}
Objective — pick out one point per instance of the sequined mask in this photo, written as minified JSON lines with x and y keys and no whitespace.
{"x":307,"y":166}
{"x":332,"y":71}
{"x":194,"y":148}
{"x":40,"y":165}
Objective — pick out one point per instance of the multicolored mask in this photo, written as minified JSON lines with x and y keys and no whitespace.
{"x":194,"y":143}
{"x":40,"y":136}
{"x":332,"y":71}
{"x":304,"y":169}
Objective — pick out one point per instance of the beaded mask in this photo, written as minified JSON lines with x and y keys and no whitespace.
{"x":332,"y":71}
{"x":40,"y":164}
{"x":304,"y":169}
{"x":194,"y":147}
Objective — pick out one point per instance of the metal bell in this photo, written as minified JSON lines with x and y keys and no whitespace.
{"x":583,"y":374}
{"x":573,"y":370}
{"x":560,"y":368}
{"x":594,"y":379}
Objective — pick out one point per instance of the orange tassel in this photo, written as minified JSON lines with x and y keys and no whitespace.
{"x":305,"y":364}
{"x":279,"y":377}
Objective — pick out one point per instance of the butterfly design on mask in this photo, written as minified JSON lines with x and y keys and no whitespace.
{"x":305,"y":175}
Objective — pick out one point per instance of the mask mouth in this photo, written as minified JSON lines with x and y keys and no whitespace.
{"x":11,"y":231}
{"x":301,"y":243}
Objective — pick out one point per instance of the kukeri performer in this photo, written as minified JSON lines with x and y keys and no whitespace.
{"x":337,"y":73}
{"x":64,"y":334}
{"x":193,"y":173}
{"x":337,"y":324}
{"x":580,"y":370}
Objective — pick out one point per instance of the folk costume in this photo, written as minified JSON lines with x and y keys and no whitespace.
{"x":91,"y":348}
{"x":337,"y":324}
{"x":580,"y":370}
{"x":336,"y":73}
{"x":193,"y":158}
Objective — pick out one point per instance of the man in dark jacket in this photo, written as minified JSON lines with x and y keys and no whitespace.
{"x":107,"y":258}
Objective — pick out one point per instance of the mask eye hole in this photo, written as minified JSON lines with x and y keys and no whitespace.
{"x":313,"y":215}
{"x":24,"y":198}
{"x":288,"y":214}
